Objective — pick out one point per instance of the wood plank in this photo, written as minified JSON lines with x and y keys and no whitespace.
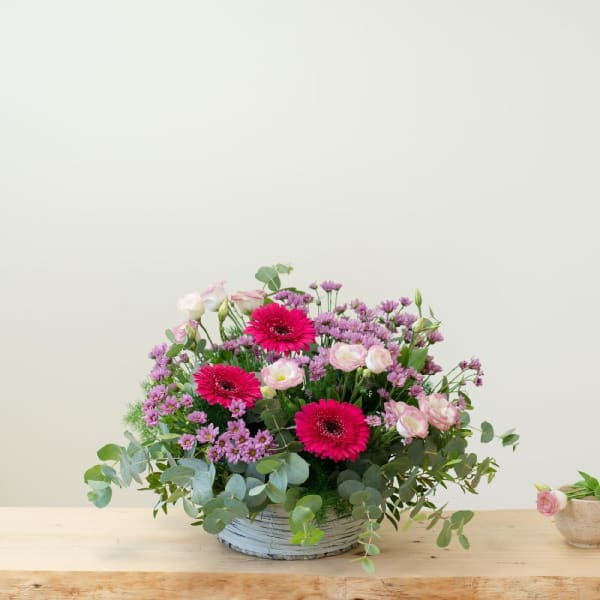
{"x":124,"y":553}
{"x":49,"y":585}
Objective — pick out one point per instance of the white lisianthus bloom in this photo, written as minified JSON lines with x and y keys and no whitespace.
{"x":193,"y":304}
{"x":378,"y":359}
{"x":347,"y":357}
{"x":214,"y":295}
{"x":282,"y":374}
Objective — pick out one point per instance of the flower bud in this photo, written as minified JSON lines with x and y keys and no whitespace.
{"x":418,"y":298}
{"x":223,"y":310}
{"x":267,"y":392}
{"x":419,"y":325}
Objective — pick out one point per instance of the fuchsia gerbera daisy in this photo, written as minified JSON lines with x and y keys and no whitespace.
{"x":332,"y":429}
{"x":220,"y":384}
{"x":276,"y":328}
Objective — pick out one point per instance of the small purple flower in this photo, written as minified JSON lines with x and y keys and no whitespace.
{"x":151,"y":418}
{"x":163,"y":361}
{"x":389,"y":419}
{"x":158,"y":393}
{"x":186,"y":401}
{"x":241,"y":437}
{"x":463,"y":364}
{"x":263,"y":438}
{"x":236,"y":427}
{"x":388,"y":306}
{"x":237,"y":408}
{"x":148,"y":404}
{"x":478,"y":381}
{"x":214,"y":454}
{"x":251,"y":452}
{"x":435,"y":336}
{"x":475,"y":364}
{"x":373,"y":420}
{"x":330,"y":286}
{"x":158,"y":351}
{"x":232,"y":454}
{"x":222,"y":442}
{"x":159,"y":373}
{"x":207,"y":434}
{"x":431,"y":367}
{"x":197,"y":416}
{"x":186,"y":441}
{"x":405,"y":301}
{"x":169,"y":406}
{"x":383,"y":393}
{"x":415,"y":391}
{"x":397,"y":376}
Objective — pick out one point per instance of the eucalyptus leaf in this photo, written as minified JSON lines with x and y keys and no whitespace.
{"x":367,"y":565}
{"x":312,"y":501}
{"x":236,"y":486}
{"x":275,"y":494}
{"x":297,"y":469}
{"x":268,"y":465}
{"x":100,"y":498}
{"x":487,"y":432}
{"x":110,"y":452}
{"x":190,"y":509}
{"x":301,"y":515}
{"x":258,"y":489}
{"x":372,"y":477}
{"x":179,"y":475}
{"x":445,"y":535}
{"x":349,"y":487}
{"x":347,"y":475}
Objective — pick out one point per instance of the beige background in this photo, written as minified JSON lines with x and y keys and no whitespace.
{"x":150,"y":148}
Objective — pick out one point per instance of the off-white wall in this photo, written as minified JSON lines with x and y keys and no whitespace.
{"x":149,"y":148}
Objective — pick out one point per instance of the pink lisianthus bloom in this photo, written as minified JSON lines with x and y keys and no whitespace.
{"x":347,"y":357}
{"x":412,"y":422}
{"x":214,"y":295}
{"x":549,"y":502}
{"x":282,"y":374}
{"x":180,"y":331}
{"x":440,"y":413}
{"x":248,"y":301}
{"x":378,"y":359}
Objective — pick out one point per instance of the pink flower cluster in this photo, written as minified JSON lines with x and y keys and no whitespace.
{"x":236,"y":444}
{"x":435,"y":410}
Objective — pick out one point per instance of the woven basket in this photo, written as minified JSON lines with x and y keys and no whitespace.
{"x":268,"y":536}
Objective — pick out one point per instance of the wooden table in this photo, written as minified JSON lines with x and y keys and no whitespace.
{"x":48,"y":553}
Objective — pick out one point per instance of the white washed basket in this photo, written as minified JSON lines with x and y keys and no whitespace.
{"x":268,"y":536}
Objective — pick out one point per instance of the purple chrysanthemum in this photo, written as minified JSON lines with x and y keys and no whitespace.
{"x":187,"y":441}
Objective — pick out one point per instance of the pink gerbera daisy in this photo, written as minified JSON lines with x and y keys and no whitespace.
{"x":220,"y":384}
{"x":276,"y":328}
{"x":332,"y":429}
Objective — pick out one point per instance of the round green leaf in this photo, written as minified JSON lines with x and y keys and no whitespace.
{"x":348,"y":487}
{"x":313,"y":501}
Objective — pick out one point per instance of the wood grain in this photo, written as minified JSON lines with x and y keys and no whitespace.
{"x":50,"y":553}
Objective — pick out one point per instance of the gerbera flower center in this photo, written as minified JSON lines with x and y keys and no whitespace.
{"x":226,"y":385}
{"x":280,"y":329}
{"x":332,"y":427}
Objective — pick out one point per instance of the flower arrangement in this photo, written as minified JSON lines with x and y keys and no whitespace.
{"x":306,"y":403}
{"x":551,"y":501}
